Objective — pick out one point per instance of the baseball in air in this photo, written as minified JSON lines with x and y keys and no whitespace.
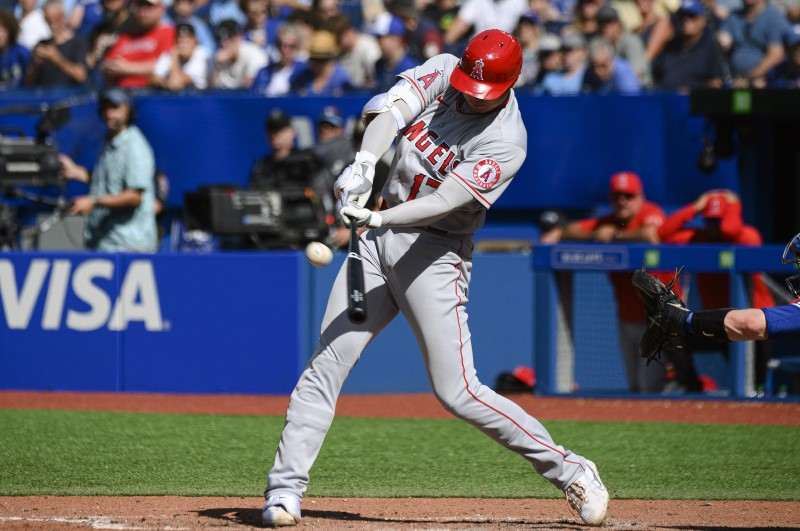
{"x":319,"y":254}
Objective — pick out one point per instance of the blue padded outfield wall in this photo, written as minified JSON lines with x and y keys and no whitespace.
{"x":247,"y":322}
{"x":574,"y":143}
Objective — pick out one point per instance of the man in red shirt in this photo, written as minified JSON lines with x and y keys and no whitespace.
{"x":633,"y":219}
{"x":722,"y":223}
{"x":131,"y":61}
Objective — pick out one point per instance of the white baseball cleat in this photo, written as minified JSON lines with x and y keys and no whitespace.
{"x":588,"y":496}
{"x":281,"y":510}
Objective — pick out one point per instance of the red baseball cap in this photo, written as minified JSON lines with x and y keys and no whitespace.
{"x":716,"y":206}
{"x":626,"y":182}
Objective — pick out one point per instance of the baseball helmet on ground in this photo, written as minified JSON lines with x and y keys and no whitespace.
{"x":489,"y":66}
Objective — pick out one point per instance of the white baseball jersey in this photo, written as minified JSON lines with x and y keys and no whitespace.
{"x":448,"y":141}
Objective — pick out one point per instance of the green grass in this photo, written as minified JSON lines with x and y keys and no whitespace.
{"x":61,"y":453}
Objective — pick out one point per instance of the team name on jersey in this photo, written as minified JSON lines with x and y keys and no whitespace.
{"x":438,"y":154}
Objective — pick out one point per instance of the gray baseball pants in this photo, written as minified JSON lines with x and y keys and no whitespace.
{"x":426,"y":276}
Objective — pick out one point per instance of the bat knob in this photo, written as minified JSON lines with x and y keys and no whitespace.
{"x":357,"y":315}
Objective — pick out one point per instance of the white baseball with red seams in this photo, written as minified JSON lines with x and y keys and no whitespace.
{"x":425,"y":275}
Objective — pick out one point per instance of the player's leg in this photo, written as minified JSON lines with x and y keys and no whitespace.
{"x":313,"y":401}
{"x":434,"y":302}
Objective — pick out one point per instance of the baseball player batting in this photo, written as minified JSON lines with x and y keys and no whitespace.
{"x":460,"y":140}
{"x":672,"y":324}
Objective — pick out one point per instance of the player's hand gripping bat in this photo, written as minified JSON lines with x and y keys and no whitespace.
{"x":356,"y":298}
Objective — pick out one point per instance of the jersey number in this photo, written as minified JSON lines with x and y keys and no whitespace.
{"x":418,"y":180}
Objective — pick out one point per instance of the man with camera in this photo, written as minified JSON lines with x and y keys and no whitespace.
{"x":120,"y":204}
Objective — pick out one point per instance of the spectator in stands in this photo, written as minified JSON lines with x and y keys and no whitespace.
{"x":237,"y":61}
{"x":359,"y":53}
{"x":787,"y":74}
{"x":550,"y":59}
{"x":391,"y":35}
{"x":324,"y":76}
{"x":323,"y":11}
{"x":275,"y":79}
{"x":14,"y":58}
{"x":120,"y":205}
{"x":585,"y":19}
{"x":528,"y":33}
{"x":334,"y":150}
{"x":104,"y":34}
{"x":485,"y":14}
{"x":260,"y":28}
{"x":442,"y":13}
{"x":633,"y":219}
{"x":60,"y":61}
{"x":693,"y":58}
{"x":607,"y":73}
{"x":754,"y":38}
{"x":333,"y":147}
{"x":183,"y":12}
{"x":568,"y":81}
{"x":422,"y":36}
{"x":628,"y":46}
{"x":32,"y":25}
{"x":721,"y":213}
{"x":186,"y":65}
{"x":131,"y":61}
{"x":655,"y":29}
{"x":284,"y":166}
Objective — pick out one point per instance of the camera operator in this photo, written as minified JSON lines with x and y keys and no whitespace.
{"x":285,"y":165}
{"x":120,"y":205}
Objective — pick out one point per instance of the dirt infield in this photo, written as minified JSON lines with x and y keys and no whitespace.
{"x":53,"y":512}
{"x":371,"y":513}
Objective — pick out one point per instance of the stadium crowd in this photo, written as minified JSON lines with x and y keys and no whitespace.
{"x":328,"y":48}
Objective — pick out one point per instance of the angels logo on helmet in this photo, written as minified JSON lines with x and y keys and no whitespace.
{"x":477,"y":70}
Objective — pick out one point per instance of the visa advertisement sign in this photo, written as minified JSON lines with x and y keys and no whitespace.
{"x":52,"y":280}
{"x":234,"y":323}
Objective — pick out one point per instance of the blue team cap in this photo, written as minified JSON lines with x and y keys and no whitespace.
{"x":387,"y":24}
{"x":692,"y":7}
{"x":331,"y":115}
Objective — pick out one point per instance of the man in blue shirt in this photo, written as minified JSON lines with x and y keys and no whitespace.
{"x":753,"y":36}
{"x":390,"y":32}
{"x":607,"y":73}
{"x":120,"y":205}
{"x":693,"y":58}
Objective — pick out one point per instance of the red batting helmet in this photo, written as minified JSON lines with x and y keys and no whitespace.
{"x":490,"y":65}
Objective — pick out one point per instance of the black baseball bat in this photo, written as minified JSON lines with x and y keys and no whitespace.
{"x":356,"y":298}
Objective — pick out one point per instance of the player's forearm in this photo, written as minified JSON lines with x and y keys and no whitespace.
{"x":427,"y":210}
{"x":746,"y":325}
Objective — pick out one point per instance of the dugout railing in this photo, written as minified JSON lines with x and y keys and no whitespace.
{"x":554,"y":338}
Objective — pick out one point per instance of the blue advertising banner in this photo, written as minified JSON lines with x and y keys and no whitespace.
{"x":178,"y":323}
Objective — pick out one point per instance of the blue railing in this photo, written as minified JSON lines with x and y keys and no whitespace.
{"x":735,"y":261}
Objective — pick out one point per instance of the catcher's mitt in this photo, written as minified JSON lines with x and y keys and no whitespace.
{"x":666,"y":315}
